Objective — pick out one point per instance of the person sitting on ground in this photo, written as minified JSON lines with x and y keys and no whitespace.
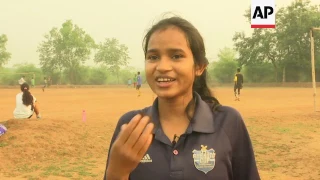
{"x":26,"y":104}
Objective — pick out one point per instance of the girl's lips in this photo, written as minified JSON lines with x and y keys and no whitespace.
{"x":165,"y":84}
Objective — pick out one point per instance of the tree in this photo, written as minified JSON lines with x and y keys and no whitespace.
{"x":113,"y":55}
{"x":4,"y":55}
{"x":98,"y":76}
{"x":261,"y":47}
{"x":224,"y":69}
{"x":258,"y":72}
{"x":66,"y":49}
{"x":16,"y":71}
{"x":294,"y":24}
{"x":287,"y":47}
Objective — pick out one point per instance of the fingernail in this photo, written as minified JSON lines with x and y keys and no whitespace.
{"x":123,"y":126}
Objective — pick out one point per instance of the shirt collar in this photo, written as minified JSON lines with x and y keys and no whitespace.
{"x":202,"y":120}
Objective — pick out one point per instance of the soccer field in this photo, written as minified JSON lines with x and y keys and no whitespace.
{"x":281,"y":122}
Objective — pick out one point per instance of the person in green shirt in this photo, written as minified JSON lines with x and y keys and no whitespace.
{"x":32,"y":82}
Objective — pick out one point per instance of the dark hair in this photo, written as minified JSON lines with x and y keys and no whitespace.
{"x":27,"y":98}
{"x":197,"y":47}
{"x":138,"y":72}
{"x":238,"y":69}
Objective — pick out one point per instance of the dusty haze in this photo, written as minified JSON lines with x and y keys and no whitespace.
{"x":25,"y":22}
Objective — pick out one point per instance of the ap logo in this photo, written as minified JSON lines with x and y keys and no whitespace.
{"x":263,"y":14}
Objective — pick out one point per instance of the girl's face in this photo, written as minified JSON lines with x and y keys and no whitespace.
{"x":169,"y":64}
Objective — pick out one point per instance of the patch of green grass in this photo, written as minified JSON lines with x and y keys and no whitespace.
{"x":3,"y":144}
{"x":275,"y":140}
{"x":84,"y":135}
{"x":304,"y":126}
{"x":281,"y":147}
{"x":39,"y":137}
{"x":251,"y":119}
{"x":69,"y":169}
{"x":268,"y":165}
{"x":83,"y":171}
{"x":30,"y":177}
{"x":16,"y":145}
{"x":92,"y":161}
{"x":51,"y":170}
{"x":56,"y":170}
{"x":12,"y":138}
{"x":283,"y":130}
{"x":62,"y":152}
{"x":306,"y":137}
{"x":11,"y":174}
{"x":25,"y":168}
{"x":261,"y":152}
{"x":274,"y":165}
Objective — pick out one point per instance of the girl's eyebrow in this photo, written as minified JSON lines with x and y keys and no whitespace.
{"x":169,"y":50}
{"x":152,"y":50}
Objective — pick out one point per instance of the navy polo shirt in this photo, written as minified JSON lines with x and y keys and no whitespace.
{"x":215,"y":146}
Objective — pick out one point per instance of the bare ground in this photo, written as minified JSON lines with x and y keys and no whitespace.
{"x":281,"y":122}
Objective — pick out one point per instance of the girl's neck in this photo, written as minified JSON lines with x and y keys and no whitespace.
{"x":175,"y":109}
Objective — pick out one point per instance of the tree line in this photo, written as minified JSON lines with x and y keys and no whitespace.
{"x":65,"y":50}
{"x":266,"y":55}
{"x":284,"y":53}
{"x":86,"y":75}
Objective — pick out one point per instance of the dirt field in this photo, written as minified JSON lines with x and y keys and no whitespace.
{"x":283,"y":127}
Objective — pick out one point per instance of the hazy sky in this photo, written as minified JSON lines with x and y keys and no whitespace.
{"x":25,"y":22}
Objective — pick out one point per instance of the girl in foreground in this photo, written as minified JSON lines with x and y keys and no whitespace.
{"x":186,"y":134}
{"x":26,"y":104}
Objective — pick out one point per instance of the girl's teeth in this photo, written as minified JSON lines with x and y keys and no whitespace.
{"x":164,"y":80}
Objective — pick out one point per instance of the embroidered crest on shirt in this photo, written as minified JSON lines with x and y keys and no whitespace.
{"x":204,"y":159}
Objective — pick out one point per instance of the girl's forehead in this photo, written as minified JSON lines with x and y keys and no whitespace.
{"x":168,"y":31}
{"x":173,"y":37}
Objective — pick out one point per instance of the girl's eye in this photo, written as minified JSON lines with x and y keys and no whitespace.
{"x":177,"y":56}
{"x":152,"y":57}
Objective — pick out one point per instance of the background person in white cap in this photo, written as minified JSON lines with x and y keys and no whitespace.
{"x":21,"y":80}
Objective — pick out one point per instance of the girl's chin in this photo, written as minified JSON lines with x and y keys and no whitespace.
{"x":165,"y":94}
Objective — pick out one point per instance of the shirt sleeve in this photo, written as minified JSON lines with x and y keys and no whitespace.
{"x":235,"y":78}
{"x":243,"y":160}
{"x":123,"y":120}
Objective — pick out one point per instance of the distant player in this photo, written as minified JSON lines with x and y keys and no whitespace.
{"x":45,"y":84}
{"x":129,"y":82}
{"x":32,"y":82}
{"x":139,"y":82}
{"x":134,"y":81}
{"x":21,"y":80}
{"x":238,"y":81}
